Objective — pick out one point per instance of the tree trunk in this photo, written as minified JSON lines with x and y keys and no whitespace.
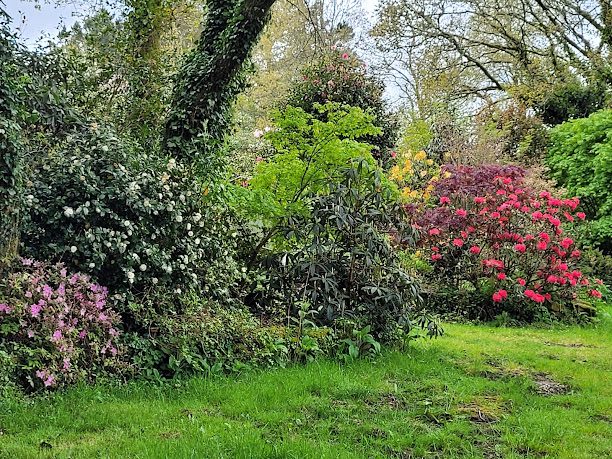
{"x":210,"y":79}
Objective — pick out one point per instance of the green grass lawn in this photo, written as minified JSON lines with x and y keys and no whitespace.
{"x":477,"y":392}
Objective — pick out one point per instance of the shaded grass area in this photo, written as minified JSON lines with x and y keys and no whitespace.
{"x":477,"y":392}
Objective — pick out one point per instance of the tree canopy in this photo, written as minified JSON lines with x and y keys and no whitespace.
{"x":487,"y":49}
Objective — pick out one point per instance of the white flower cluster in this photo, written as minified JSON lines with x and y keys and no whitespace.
{"x":260,"y":132}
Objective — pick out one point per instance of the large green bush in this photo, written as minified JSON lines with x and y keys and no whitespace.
{"x":572,"y":99}
{"x":34,"y":116}
{"x":341,"y":260}
{"x":580,"y":159}
{"x":192,"y":335}
{"x":325,"y":211}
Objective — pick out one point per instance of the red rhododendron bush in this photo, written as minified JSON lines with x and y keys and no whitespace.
{"x":57,"y":326}
{"x":496,"y":245}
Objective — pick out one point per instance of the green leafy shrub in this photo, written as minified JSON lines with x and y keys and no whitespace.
{"x":325,"y":210}
{"x":8,"y":371}
{"x":34,"y":115}
{"x":598,"y":265}
{"x":340,"y":258}
{"x":308,"y":153}
{"x":572,"y":99}
{"x":56,"y":328}
{"x":342,"y":78}
{"x":416,"y":135}
{"x":131,"y":220}
{"x":360,"y":344}
{"x":194,"y":336}
{"x":580,"y":160}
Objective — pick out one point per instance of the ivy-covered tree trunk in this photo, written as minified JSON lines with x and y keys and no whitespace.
{"x":606,"y":16}
{"x":146,"y":20}
{"x":11,"y":185}
{"x":11,"y":152}
{"x":210,"y":79}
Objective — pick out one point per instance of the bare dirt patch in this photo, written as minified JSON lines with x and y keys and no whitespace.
{"x":404,"y":454}
{"x":499,"y":370}
{"x":547,"y":386}
{"x":571,"y":345}
{"x":477,"y":414}
{"x":489,"y":442}
{"x":392,"y":401}
{"x":484,"y":410}
{"x":602,"y":418}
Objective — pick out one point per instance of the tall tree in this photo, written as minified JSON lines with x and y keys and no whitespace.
{"x":145,"y":24}
{"x":123,"y":63}
{"x":11,"y":151}
{"x":210,"y":79}
{"x":299,"y":32}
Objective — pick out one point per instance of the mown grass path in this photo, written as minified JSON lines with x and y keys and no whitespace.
{"x":477,"y":392}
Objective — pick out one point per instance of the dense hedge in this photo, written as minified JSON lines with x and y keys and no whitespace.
{"x":580,"y":159}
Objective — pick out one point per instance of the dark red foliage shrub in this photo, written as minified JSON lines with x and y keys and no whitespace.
{"x":475,"y":180}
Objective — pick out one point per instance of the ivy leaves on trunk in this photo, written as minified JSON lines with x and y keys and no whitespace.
{"x":211,"y":77}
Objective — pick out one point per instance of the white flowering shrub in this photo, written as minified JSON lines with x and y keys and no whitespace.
{"x":132,"y":221}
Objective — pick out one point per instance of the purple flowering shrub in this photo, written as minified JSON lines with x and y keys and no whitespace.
{"x":56,"y":326}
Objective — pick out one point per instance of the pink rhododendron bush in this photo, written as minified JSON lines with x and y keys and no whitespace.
{"x":56,"y":326}
{"x":498,"y":246}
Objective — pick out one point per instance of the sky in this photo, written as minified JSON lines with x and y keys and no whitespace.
{"x":33,"y":19}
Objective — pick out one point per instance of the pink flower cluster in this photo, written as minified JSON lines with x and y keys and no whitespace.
{"x":338,"y":73}
{"x":63,"y":320}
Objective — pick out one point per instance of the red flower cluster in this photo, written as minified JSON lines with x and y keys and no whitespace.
{"x":537,"y":297}
{"x":506,"y":233}
{"x":500,"y":296}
